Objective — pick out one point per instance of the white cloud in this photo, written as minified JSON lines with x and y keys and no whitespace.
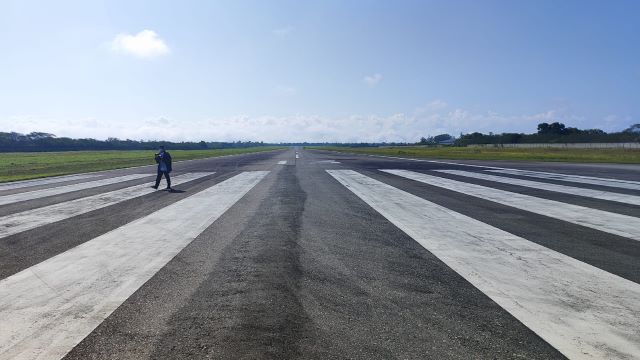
{"x":435,"y":117}
{"x":372,"y":80}
{"x":284,"y":31}
{"x":145,"y":44}
{"x":398,"y":127}
{"x":615,"y":122}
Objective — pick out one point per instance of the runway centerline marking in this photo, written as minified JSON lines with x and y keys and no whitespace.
{"x":582,"y":311}
{"x":50,"y":307}
{"x":37,"y":194}
{"x":596,"y":194}
{"x":618,"y":224}
{"x":282,"y":162}
{"x":18,"y":222}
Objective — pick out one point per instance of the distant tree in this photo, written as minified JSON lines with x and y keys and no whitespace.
{"x":37,"y":141}
{"x":39,"y":135}
{"x":555,"y":128}
{"x":543,"y":128}
{"x":635,"y":128}
{"x":550,"y":133}
{"x":442,"y":137}
{"x":423,"y":141}
{"x":510,"y":138}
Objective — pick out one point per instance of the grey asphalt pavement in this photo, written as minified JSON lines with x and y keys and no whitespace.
{"x":305,"y":265}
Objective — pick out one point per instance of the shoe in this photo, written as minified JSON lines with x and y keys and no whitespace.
{"x":155,"y":187}
{"x":169,"y":189}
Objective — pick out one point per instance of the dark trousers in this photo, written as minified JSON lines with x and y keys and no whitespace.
{"x":166,"y":175}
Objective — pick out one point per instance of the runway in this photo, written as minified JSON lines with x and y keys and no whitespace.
{"x":308,"y":254}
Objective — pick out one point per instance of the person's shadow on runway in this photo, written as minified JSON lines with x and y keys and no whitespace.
{"x":175,"y":191}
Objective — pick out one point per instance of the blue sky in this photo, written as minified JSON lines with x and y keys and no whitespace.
{"x":316,"y":70}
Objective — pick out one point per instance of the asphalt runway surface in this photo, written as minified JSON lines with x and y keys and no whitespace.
{"x":304,"y":254}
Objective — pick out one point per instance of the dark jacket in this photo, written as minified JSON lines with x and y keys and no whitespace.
{"x":164,"y":157}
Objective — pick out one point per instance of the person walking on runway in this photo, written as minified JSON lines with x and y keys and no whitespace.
{"x":163,"y":159}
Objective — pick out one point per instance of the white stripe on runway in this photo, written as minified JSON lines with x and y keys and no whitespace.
{"x":618,"y":224}
{"x":282,"y":162}
{"x":31,"y":219}
{"x":36,"y":194}
{"x":583,"y":311}
{"x":596,"y":194}
{"x":50,"y":180}
{"x":622,"y":184}
{"x":49,"y":308}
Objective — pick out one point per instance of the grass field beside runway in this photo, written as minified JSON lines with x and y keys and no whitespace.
{"x":622,"y":156}
{"x":32,"y":165}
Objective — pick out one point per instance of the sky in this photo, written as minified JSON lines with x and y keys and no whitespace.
{"x":335,"y":71}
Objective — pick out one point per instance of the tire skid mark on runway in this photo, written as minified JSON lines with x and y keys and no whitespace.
{"x":50,"y":307}
{"x":31,"y":219}
{"x":36,"y":194}
{"x":595,"y":194}
{"x":253,"y":290}
{"x":616,"y":183}
{"x":581,"y":310}
{"x":613,"y":223}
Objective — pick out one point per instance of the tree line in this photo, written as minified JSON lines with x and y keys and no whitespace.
{"x":39,"y":141}
{"x":546,"y":133}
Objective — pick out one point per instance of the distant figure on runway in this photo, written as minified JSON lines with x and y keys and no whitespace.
{"x":163,"y":159}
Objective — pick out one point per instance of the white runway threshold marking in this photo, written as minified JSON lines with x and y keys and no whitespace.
{"x":583,"y":311}
{"x":327,"y":162}
{"x":36,"y":194}
{"x":617,"y":224}
{"x":31,"y":219}
{"x":622,"y":184}
{"x":282,"y":162}
{"x":596,"y":194}
{"x":50,"y":180}
{"x":50,"y":307}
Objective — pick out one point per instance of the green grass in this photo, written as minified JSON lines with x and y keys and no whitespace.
{"x":623,"y":156}
{"x":31,"y":165}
